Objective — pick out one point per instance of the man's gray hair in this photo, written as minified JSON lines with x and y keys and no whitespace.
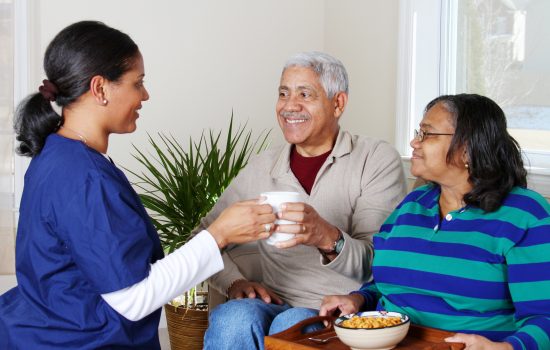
{"x":331,"y":71}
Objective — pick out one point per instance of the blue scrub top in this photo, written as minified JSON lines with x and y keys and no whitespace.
{"x":82,"y":232}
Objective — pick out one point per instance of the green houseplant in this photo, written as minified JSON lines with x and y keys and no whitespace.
{"x":178,"y":186}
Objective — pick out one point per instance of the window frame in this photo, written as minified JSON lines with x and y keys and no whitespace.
{"x":427,"y":40}
{"x":23,"y":12}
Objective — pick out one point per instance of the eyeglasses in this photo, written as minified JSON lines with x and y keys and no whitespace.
{"x":420,"y":135}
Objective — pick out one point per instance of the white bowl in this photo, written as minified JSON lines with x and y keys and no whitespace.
{"x":373,"y":338}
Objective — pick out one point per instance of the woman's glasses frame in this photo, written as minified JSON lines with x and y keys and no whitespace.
{"x":420,"y":135}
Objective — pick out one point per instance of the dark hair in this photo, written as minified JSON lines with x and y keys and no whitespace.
{"x":495,"y":163}
{"x":77,"y":54}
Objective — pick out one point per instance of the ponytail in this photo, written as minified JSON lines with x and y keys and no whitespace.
{"x":35,"y":119}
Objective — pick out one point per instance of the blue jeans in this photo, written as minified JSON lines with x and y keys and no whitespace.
{"x":243,"y":323}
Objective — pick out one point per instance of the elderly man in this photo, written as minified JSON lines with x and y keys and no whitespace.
{"x":350,"y":185}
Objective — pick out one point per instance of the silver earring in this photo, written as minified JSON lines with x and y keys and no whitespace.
{"x":104,"y":101}
{"x":466,"y":165}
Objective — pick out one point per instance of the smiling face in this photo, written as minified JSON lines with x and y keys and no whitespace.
{"x":125,"y":97}
{"x":429,"y":158}
{"x":307,"y":117}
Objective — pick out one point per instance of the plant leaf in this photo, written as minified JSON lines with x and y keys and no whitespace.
{"x":179,"y":185}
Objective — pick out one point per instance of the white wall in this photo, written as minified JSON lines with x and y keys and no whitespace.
{"x":363,"y":34}
{"x":204,"y":59}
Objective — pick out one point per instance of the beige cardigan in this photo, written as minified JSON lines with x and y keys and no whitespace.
{"x":356,"y":189}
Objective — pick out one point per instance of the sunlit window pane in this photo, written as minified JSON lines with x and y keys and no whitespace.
{"x":7,"y":219}
{"x":503,"y":52}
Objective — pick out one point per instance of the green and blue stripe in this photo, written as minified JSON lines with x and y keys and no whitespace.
{"x":482,"y":273}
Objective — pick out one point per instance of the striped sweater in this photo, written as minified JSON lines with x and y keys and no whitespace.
{"x":471,"y":271}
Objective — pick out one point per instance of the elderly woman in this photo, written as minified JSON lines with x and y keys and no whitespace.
{"x":469,"y":251}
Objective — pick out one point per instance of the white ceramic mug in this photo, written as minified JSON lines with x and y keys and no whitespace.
{"x":275,"y":199}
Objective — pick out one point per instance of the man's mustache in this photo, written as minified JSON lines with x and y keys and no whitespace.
{"x":294,"y":115}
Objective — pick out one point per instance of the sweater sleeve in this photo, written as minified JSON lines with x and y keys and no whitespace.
{"x":382,"y":188}
{"x":529,"y":284}
{"x":371,"y":295}
{"x":169,"y":277}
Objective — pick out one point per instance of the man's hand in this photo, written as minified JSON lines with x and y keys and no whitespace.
{"x":243,"y":222}
{"x":477,"y":342}
{"x":310,"y":228}
{"x":241,"y":289}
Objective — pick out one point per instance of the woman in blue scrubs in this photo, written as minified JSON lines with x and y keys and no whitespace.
{"x":90,"y":269}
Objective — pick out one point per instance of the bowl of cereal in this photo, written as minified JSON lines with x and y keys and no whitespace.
{"x":371,"y":330}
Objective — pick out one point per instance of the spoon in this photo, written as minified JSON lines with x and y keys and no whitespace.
{"x":321,"y":340}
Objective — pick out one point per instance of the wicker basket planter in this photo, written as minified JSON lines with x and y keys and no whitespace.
{"x":186,"y":327}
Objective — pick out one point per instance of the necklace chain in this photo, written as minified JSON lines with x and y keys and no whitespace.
{"x":82,"y":138}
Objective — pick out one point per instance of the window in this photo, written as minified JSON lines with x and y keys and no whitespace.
{"x":13,"y":77}
{"x":496,"y":48}
{"x":7,"y":216}
{"x":503,"y":52}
